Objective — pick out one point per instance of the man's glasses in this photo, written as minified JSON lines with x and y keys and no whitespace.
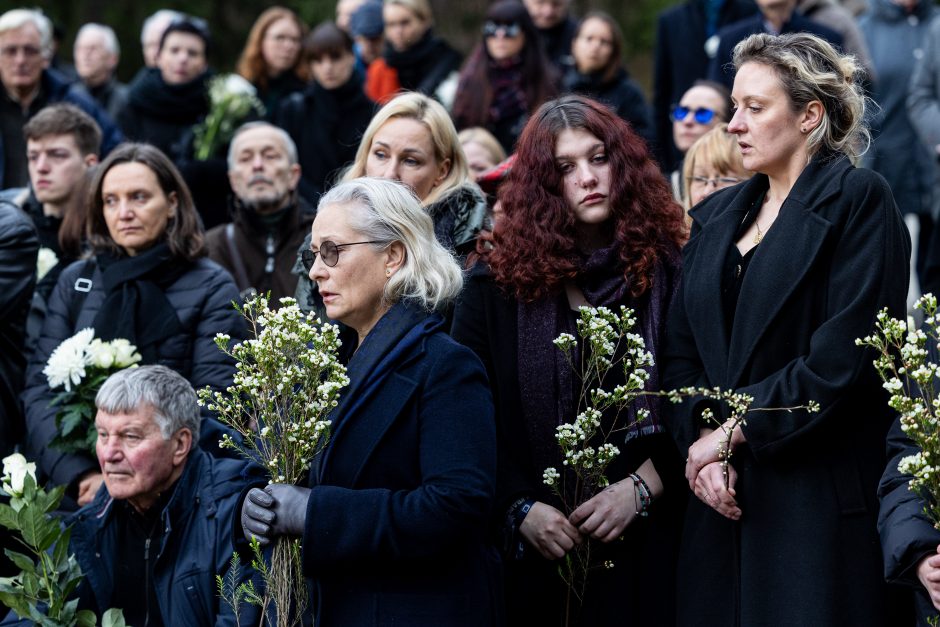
{"x":491,"y":29}
{"x":329,"y":251}
{"x":719,"y":182}
{"x":702,"y":115}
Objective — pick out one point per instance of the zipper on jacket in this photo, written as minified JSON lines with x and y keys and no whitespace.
{"x":147,"y":582}
{"x":269,"y":248}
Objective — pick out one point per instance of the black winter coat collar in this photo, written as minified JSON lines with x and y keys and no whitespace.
{"x":175,"y":103}
{"x":793,"y":242}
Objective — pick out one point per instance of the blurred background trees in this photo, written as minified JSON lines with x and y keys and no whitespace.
{"x":458,"y":20}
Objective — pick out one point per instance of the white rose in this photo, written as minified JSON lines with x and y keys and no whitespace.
{"x":236,"y":85}
{"x":100,"y":354}
{"x":45,"y":261}
{"x":15,"y":469}
{"x":125,"y":353}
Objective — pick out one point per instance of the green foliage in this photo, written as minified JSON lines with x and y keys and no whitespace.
{"x":48,"y":573}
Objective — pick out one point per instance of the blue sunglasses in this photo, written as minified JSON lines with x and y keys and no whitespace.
{"x":678,"y":113}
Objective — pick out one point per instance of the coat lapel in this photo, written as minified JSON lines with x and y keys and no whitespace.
{"x":703,"y":281}
{"x":364,"y":429}
{"x":783,"y":258}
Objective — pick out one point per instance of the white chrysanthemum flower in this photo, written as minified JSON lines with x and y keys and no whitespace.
{"x":66,"y":365}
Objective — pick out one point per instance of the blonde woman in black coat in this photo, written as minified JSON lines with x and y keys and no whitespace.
{"x":780,"y":276}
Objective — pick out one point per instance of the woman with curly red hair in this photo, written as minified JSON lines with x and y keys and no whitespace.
{"x":589,"y":220}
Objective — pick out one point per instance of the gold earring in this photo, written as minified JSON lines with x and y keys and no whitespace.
{"x":388,"y":272}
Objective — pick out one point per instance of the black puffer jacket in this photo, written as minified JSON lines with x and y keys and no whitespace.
{"x":18,"y":248}
{"x":907,"y":535}
{"x":202,"y":298}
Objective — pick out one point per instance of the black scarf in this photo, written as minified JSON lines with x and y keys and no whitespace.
{"x":546,"y":381}
{"x":135,"y":306}
{"x":416,"y":63}
{"x":509,"y":98}
{"x":181,"y":104}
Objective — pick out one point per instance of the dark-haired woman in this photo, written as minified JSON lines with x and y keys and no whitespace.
{"x":328,"y":119}
{"x":782,"y":274}
{"x":506,"y":77}
{"x":588,"y":221}
{"x":598,"y":71}
{"x":164,"y":102}
{"x":149,"y":282}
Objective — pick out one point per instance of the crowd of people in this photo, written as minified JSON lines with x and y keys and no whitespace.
{"x":452,"y":216}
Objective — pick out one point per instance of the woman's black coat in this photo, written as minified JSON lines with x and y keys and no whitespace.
{"x":806,"y":549}
{"x":326,"y":125}
{"x":396,"y":519}
{"x":486,"y":320}
{"x":202,"y":298}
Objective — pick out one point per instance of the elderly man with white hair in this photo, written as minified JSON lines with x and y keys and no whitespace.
{"x":152,"y":31}
{"x":29,"y":84}
{"x":96,"y":54}
{"x":160,"y":528}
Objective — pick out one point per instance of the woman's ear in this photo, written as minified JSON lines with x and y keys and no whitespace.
{"x":813,"y":115}
{"x":395,"y":256}
{"x":442,"y":172}
{"x":174,"y":203}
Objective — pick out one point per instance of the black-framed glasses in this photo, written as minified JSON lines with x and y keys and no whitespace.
{"x":491,"y":29}
{"x":718,"y":182}
{"x":329,"y":251}
{"x":702,"y":114}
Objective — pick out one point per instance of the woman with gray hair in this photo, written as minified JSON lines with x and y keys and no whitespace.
{"x":393,"y":517}
{"x":781,"y":275}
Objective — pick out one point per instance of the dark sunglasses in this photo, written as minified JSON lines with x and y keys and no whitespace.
{"x":702,"y":115}
{"x":330,"y":252}
{"x":491,"y":29}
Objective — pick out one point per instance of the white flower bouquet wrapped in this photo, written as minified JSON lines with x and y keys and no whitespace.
{"x":231,"y":99}
{"x":80,"y":365}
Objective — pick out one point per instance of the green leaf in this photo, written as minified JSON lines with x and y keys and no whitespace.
{"x":16,"y":602}
{"x":60,"y":554}
{"x":85,"y":618}
{"x":8,"y":517}
{"x":23,"y":562}
{"x":33,"y":525}
{"x":113,"y":618}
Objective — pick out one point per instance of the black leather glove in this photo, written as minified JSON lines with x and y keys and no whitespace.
{"x":290,"y":508}
{"x":257,"y":516}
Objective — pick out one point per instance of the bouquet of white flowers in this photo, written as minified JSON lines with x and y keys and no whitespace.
{"x":231,"y":99}
{"x":287,"y":381}
{"x":49,"y":574}
{"x":80,"y":366}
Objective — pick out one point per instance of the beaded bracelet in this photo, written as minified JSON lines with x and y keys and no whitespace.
{"x":643,"y":497}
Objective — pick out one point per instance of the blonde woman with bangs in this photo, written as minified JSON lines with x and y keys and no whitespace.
{"x":711,"y":164}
